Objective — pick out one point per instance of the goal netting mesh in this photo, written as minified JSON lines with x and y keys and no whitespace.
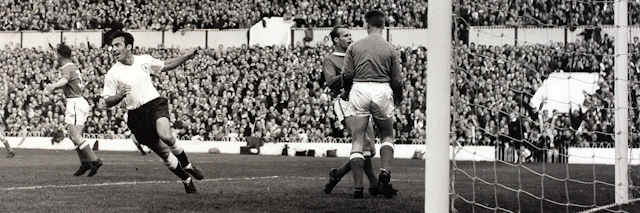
{"x":533,"y":110}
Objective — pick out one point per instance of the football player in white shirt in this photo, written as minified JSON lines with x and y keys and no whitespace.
{"x":129,"y":80}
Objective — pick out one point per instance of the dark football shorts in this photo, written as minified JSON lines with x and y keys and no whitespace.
{"x":142,"y":121}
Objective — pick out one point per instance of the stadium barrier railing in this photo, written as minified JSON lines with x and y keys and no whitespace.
{"x":206,"y":38}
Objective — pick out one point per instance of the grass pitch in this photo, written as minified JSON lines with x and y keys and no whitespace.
{"x":43,"y":181}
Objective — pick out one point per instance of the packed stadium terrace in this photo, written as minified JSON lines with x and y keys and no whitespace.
{"x":287,"y":98}
{"x":278,"y":92}
{"x":495,"y":81}
{"x":270,"y":92}
{"x":176,"y":15}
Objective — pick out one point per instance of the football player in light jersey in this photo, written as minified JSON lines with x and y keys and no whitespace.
{"x":129,"y":80}
{"x":77,"y":109}
{"x":331,"y":69}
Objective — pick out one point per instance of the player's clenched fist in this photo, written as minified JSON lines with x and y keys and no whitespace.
{"x":126,"y":90}
{"x":48,"y":88}
{"x":193,"y":51}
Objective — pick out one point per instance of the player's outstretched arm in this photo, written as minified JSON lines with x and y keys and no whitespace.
{"x":171,"y":63}
{"x":56,"y":85}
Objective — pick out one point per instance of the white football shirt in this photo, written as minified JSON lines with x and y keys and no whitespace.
{"x":137,"y":76}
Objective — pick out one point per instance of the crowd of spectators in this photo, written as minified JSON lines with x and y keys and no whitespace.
{"x":494,"y":82}
{"x":176,"y":15}
{"x":541,"y":13}
{"x":272,"y":92}
{"x":278,"y":92}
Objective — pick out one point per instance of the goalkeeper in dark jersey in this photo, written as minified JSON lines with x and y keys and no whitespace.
{"x":331,"y":69}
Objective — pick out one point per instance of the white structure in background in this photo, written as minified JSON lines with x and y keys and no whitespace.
{"x":564,"y":91}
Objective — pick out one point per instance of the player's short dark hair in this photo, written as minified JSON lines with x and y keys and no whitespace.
{"x":128,"y":38}
{"x":334,"y":31}
{"x":64,"y":50}
{"x":375,"y":18}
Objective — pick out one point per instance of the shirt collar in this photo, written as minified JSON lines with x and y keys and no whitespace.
{"x":65,"y":65}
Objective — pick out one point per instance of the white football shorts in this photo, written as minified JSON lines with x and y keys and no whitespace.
{"x":77,"y":111}
{"x":371,"y":98}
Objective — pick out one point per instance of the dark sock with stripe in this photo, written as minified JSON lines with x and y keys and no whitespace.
{"x":182,"y":157}
{"x":386,"y":155}
{"x":82,"y":157}
{"x":179,"y":171}
{"x":357,"y":168}
{"x":88,"y":152}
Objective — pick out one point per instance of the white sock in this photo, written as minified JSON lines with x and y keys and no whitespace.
{"x":188,"y":180}
{"x":188,"y":166}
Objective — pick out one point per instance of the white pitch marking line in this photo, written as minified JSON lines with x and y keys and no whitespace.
{"x":158,"y":182}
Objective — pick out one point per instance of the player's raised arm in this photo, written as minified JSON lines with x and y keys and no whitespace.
{"x":171,"y":63}
{"x":64,"y":59}
{"x":58,"y":84}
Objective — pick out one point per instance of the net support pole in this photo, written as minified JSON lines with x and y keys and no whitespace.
{"x":439,"y":53}
{"x":621,"y":91}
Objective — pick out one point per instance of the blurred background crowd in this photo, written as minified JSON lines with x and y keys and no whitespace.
{"x":278,"y":92}
{"x":269,"y":92}
{"x":175,"y":15}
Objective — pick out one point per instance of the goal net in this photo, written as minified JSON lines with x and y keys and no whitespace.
{"x":544,"y":119}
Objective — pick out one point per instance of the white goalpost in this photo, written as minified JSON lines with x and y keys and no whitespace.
{"x":621,"y":102}
{"x":439,"y":53}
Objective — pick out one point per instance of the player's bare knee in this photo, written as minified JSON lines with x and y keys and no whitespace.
{"x":167,"y":138}
{"x":164,"y":154}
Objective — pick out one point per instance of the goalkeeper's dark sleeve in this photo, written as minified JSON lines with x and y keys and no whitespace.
{"x":395,"y":77}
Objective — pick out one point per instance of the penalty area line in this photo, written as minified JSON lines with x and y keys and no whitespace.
{"x":124,"y":183}
{"x":161,"y":182}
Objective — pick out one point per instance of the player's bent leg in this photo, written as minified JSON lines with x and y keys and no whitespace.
{"x":135,"y":141}
{"x":7,"y":146}
{"x":171,"y":161}
{"x":357,"y":124}
{"x":85,"y":162}
{"x":370,"y":138}
{"x":374,"y":185}
{"x":335,"y":175}
{"x":85,"y":153}
{"x":357,"y":165}
{"x":385,"y":128}
{"x":164,"y":132}
{"x":370,"y":152}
